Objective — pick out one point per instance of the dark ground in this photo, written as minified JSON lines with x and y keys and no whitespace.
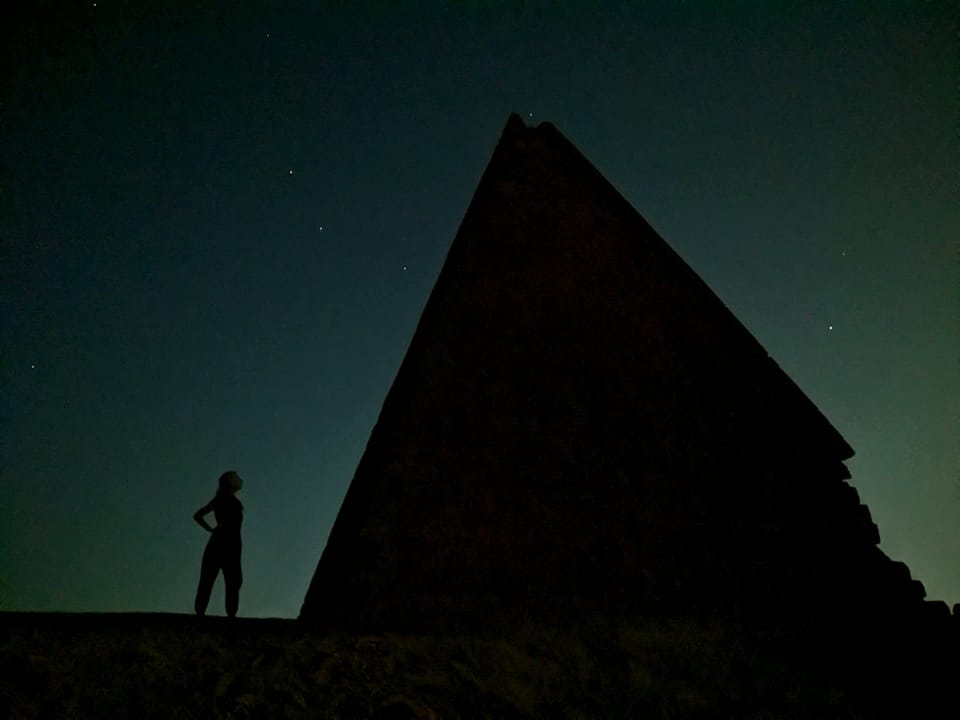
{"x":148,"y":665}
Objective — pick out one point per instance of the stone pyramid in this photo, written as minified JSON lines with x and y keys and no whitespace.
{"x":580,"y":426}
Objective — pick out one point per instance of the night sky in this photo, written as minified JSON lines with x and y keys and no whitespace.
{"x":218,"y":227}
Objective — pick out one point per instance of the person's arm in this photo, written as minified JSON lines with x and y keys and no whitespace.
{"x":199,"y":516}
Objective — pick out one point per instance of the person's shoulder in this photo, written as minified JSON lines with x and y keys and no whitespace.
{"x":228,"y":499}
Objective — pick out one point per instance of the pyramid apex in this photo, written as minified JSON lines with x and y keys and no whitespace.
{"x":516,"y":123}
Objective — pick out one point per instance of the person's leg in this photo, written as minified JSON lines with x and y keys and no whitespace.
{"x":209,"y":568}
{"x":233,"y":578}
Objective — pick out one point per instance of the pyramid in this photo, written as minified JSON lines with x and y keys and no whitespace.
{"x":580,"y":426}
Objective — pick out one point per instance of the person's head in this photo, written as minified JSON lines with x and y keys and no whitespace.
{"x":229,"y":482}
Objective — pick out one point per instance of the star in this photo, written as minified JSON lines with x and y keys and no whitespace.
{"x":291,"y":172}
{"x":829,"y":327}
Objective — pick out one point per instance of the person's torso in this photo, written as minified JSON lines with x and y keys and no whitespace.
{"x":229,"y":513}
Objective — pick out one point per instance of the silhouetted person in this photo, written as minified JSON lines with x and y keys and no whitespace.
{"x":223,"y":548}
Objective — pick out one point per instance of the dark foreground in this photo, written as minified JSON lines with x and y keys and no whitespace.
{"x":178,"y":666}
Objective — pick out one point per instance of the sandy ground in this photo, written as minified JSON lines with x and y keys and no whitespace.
{"x":146,"y":665}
